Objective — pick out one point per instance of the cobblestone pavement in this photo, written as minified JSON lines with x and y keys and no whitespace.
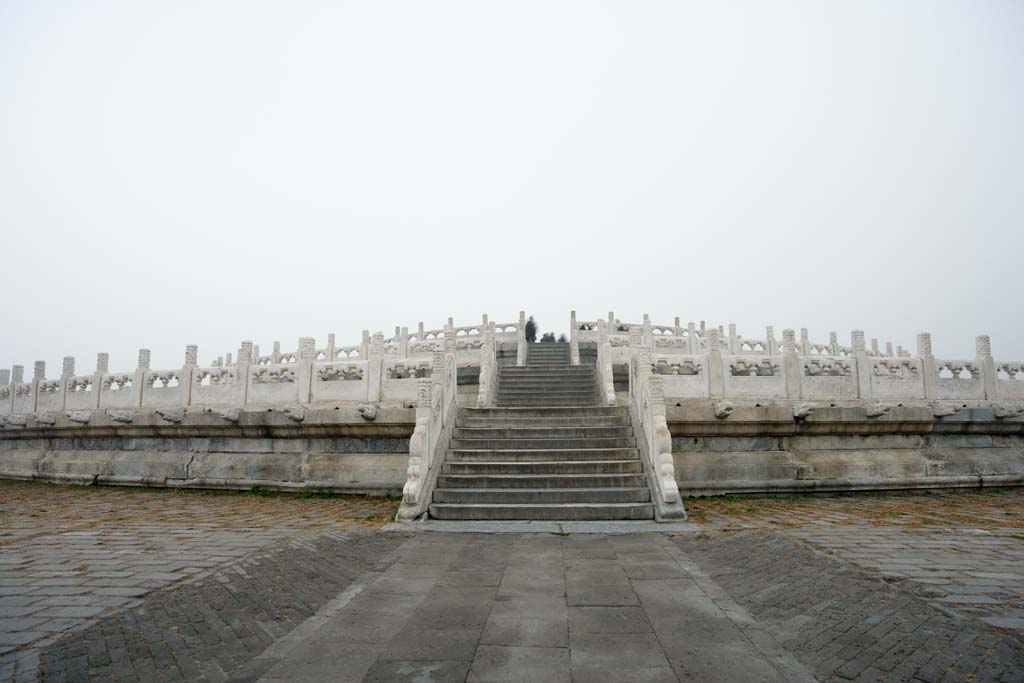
{"x":962,"y":551}
{"x":69,"y":556}
{"x":847,"y":624}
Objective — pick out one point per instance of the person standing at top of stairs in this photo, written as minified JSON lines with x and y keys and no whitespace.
{"x":531,"y":331}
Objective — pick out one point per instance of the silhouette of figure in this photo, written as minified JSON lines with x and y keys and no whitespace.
{"x":531,"y":331}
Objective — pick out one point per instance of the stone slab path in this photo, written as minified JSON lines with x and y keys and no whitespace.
{"x":466,"y":607}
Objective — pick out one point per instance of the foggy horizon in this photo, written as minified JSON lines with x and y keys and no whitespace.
{"x":206,"y":175}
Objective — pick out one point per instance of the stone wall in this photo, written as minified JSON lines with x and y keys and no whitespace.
{"x":767,"y":449}
{"x":336,"y":450}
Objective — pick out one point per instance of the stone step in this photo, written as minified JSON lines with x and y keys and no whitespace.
{"x":542,"y":496}
{"x":518,"y":433}
{"x":553,"y":374}
{"x":567,"y":394}
{"x":563,"y":511}
{"x":546,"y":381}
{"x":540,"y":455}
{"x":523,"y":413}
{"x":563,"y":467}
{"x":555,"y":403}
{"x":527,"y":444}
{"x":539,"y":481}
{"x":553,"y":389}
{"x":567,"y":421}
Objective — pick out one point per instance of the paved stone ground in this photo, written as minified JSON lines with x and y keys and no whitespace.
{"x":70,"y":558}
{"x":963,"y":551}
{"x":285,"y":588}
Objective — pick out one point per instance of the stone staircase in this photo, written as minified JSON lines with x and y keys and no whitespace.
{"x":548,"y":451}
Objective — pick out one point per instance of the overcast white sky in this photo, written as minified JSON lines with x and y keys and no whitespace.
{"x":175,"y":173}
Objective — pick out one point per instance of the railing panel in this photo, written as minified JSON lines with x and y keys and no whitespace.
{"x":81,"y":394}
{"x":163,"y":389}
{"x":340,"y":381}
{"x":754,"y":376}
{"x":215,"y":387}
{"x":269,"y":384}
{"x":827,"y":378}
{"x":896,"y":378}
{"x":119,"y":391}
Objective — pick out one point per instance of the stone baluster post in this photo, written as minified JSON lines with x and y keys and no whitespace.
{"x":703,"y":327}
{"x":888,"y":350}
{"x":715,"y":363}
{"x":636,"y":347}
{"x":805,"y":342}
{"x":612,"y":327}
{"x":986,"y":365}
{"x":6,"y":386}
{"x":364,"y":345}
{"x":875,"y":351}
{"x":692,"y":341}
{"x":102,"y":368}
{"x":67,"y":371}
{"x":486,"y":367}
{"x":734,"y":342}
{"x":676,"y":329}
{"x":248,"y":356}
{"x":307,"y":356}
{"x":139,"y":382}
{"x":419,"y":332}
{"x":228,"y":359}
{"x":521,"y":340}
{"x":17,"y":377}
{"x":900,"y":353}
{"x":450,"y":349}
{"x":863,"y":365}
{"x":833,"y":342}
{"x":772,"y":345}
{"x":403,"y":342}
{"x":604,"y":364}
{"x":38,"y":377}
{"x":648,"y":338}
{"x":574,"y":343}
{"x":188,"y":372}
{"x":929,"y":371}
{"x":331,"y":348}
{"x":374,"y":367}
{"x":791,"y":362}
{"x":275,"y":355}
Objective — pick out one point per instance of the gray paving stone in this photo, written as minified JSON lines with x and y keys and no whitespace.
{"x":499,"y":664}
{"x":415,"y":643}
{"x":600,"y":596}
{"x":525,"y":632}
{"x":608,"y":620}
{"x":417,"y":672}
{"x":616,"y":651}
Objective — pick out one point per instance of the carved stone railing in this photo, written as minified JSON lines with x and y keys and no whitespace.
{"x":435,"y":415}
{"x":654,"y":441}
{"x":704,"y":362}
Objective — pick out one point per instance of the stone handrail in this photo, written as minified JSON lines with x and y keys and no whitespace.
{"x":521,"y":339}
{"x":435,"y":415}
{"x":488,"y":369}
{"x":654,"y":441}
{"x":605,"y":377}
